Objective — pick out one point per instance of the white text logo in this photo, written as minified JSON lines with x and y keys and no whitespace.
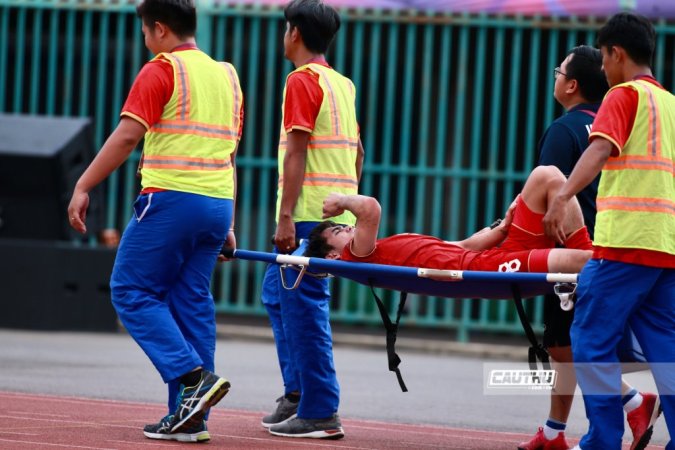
{"x":536,"y":379}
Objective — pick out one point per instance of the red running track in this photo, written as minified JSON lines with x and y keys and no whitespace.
{"x":33,"y":421}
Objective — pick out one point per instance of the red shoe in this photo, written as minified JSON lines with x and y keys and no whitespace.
{"x":642,"y":418}
{"x":539,"y":442}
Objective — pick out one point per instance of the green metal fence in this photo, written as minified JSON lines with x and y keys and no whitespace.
{"x":450,"y":107}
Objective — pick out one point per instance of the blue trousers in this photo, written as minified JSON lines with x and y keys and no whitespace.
{"x":300,"y":322}
{"x":161,"y":280}
{"x":611,"y":295}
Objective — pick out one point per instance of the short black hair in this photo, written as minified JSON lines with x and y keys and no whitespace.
{"x":317,"y":246}
{"x":585,"y":66}
{"x":632,"y":32}
{"x":179,"y":15}
{"x":316,"y":22}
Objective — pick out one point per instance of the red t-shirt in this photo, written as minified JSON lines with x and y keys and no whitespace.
{"x":614,"y":122}
{"x":525,"y":249}
{"x":415,"y":250}
{"x":303,"y":99}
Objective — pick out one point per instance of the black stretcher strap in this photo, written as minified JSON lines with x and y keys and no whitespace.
{"x":536,"y":349}
{"x":392,"y":329}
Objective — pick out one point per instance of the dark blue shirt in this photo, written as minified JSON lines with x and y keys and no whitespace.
{"x":562,"y":145}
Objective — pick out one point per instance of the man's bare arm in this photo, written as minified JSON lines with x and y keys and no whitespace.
{"x":114,"y":152}
{"x":359,"y":160}
{"x":490,"y":237}
{"x":367,"y":211}
{"x":294,"y":175}
{"x":484,"y":239}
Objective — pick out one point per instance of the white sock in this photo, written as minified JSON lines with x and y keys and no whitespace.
{"x":633,"y":403}
{"x":552,"y":433}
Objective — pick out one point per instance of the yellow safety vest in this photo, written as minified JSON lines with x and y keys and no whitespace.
{"x":636,"y":196}
{"x":331,"y":151}
{"x":189,"y":149}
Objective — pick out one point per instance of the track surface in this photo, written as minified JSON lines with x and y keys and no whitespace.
{"x":83,"y":390}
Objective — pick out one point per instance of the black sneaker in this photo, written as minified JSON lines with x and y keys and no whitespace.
{"x":162,"y":429}
{"x":286,"y":409}
{"x":193,"y":402}
{"x":329,"y":428}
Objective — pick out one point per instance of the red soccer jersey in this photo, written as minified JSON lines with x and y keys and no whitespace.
{"x":525,"y":249}
{"x":415,"y":250}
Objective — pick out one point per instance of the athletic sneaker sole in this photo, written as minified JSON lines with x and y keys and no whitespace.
{"x":644,"y":440}
{"x":268,"y":425}
{"x":202,"y":436}
{"x":213,"y":396}
{"x":335,"y":433}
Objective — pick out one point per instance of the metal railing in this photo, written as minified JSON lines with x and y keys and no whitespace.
{"x":450,"y":106}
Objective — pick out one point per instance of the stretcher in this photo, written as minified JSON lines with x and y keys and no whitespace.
{"x":434,"y":282}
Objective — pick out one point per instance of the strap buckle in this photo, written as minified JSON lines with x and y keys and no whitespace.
{"x":565,"y":292}
{"x":303,"y":271}
{"x":282,"y":273}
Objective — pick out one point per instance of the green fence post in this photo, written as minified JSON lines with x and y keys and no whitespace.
{"x":204,"y":35}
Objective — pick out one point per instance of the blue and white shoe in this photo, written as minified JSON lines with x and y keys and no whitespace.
{"x":162,"y":430}
{"x":193,"y":402}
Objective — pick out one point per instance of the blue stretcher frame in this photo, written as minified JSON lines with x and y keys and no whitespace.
{"x":442,"y":283}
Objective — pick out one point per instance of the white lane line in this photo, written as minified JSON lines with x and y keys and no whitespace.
{"x":149,"y":443}
{"x":33,"y":413}
{"x":295,"y":444}
{"x":73,"y":422}
{"x":55,"y":445}
{"x":19,"y":433}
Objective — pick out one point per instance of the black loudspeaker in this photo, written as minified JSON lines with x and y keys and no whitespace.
{"x":53,"y":285}
{"x":41,"y":159}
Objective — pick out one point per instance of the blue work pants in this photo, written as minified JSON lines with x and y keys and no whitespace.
{"x":300,"y":322}
{"x":611,"y":295}
{"x":161,"y":280}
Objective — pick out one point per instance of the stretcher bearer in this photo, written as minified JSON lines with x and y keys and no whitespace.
{"x":319,"y":152}
{"x":631,"y":278}
{"x":189,"y":108}
{"x":580,"y":85}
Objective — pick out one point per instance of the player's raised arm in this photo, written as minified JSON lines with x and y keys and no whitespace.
{"x":367,"y":211}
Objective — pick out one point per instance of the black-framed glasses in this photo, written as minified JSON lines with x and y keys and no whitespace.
{"x":557,"y":71}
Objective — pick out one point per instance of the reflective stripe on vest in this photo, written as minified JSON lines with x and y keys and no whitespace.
{"x":190,"y":148}
{"x":337,"y":142}
{"x":206,"y":130}
{"x":331,"y":151}
{"x":638,"y":204}
{"x":636,"y":196}
{"x":328,"y":179}
{"x":175,"y":162}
